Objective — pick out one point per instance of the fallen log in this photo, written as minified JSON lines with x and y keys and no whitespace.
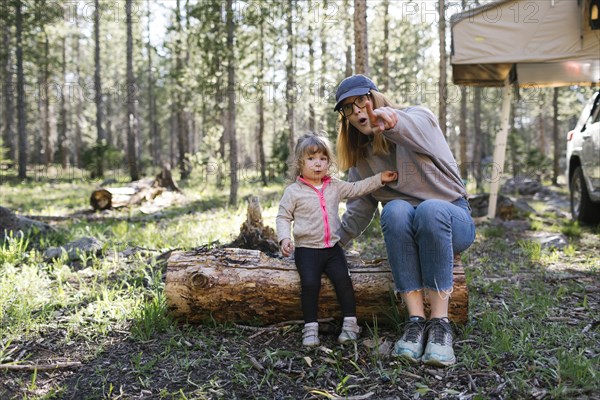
{"x":11,"y":223}
{"x":247,"y":286}
{"x":135,"y":193}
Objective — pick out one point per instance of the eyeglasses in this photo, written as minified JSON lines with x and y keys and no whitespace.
{"x":360,"y":102}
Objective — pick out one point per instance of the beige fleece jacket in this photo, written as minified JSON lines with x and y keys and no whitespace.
{"x":314,"y":212}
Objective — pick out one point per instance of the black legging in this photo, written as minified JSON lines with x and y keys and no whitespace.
{"x":311,"y":264}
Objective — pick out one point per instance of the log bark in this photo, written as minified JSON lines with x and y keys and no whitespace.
{"x":247,"y":286}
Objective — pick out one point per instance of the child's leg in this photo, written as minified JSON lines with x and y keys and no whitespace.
{"x":309,"y":263}
{"x":336,"y":270}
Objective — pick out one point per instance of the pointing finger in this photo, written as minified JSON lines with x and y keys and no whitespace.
{"x":370,"y":113}
{"x":374,"y":118}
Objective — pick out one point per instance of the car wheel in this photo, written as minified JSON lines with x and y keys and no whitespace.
{"x":582,"y":207}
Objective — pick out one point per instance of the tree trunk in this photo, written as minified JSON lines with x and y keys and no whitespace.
{"x":111,"y":139}
{"x":62,"y":124}
{"x":182,"y":135}
{"x":478,"y":138}
{"x":290,"y":83}
{"x":361,"y":45}
{"x":48,"y":148}
{"x":190,"y":113}
{"x":155,"y":144}
{"x":238,"y":285}
{"x":348,"y":41}
{"x":311,"y":71}
{"x":261,"y":106}
{"x":443,"y":75}
{"x":385,"y":73}
{"x":325,"y":65}
{"x":555,"y":136}
{"x":78,"y":142}
{"x":541,"y":136}
{"x":8,"y":118}
{"x":132,"y":118}
{"x":100,"y":134}
{"x":21,"y":112}
{"x":231,"y":111}
{"x":173,"y":133}
{"x":38,"y":139}
{"x":464,"y":170}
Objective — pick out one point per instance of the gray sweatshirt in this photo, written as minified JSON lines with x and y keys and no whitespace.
{"x":426,"y":170}
{"x":315,"y":212}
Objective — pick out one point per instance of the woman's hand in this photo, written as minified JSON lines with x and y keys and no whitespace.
{"x":382,"y":118}
{"x":389,"y":176}
{"x":287,"y":247}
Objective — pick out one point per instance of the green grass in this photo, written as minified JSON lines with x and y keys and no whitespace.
{"x":528,"y":328}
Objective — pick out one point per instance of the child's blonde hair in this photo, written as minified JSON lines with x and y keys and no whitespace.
{"x":308,"y":144}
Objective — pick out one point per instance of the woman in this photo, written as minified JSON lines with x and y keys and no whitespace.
{"x":426,"y":216}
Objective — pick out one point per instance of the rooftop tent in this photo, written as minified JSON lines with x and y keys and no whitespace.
{"x":542,"y":42}
{"x":525,"y":43}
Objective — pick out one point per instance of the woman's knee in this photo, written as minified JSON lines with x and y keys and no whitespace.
{"x":431,"y":213}
{"x":396,"y":212}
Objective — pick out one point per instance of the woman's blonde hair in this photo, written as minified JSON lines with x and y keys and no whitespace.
{"x":352,"y":144}
{"x":309,"y":144}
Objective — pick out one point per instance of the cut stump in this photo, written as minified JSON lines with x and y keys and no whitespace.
{"x":248,"y":286}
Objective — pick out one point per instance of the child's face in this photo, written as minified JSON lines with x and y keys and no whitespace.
{"x":315,"y":167}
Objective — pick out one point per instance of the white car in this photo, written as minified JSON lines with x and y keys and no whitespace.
{"x":583,"y":164}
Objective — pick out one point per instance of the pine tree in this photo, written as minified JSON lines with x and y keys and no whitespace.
{"x":100,"y":133}
{"x":21,"y":109}
{"x":231,"y":108}
{"x":8,"y":130}
{"x":443,"y":80}
{"x":555,"y":136}
{"x":132,"y":117}
{"x":63,"y":145}
{"x":155,"y":142}
{"x":361,"y":47}
{"x":290,"y":81}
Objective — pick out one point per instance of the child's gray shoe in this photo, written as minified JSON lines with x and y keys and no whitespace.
{"x":350,"y":330}
{"x":310,"y":334}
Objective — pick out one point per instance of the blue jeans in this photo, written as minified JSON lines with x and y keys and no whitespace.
{"x":421,"y":241}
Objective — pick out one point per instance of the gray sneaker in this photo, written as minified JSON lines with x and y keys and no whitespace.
{"x":350,"y":331}
{"x":439,"y":351}
{"x":411,"y":344}
{"x":310,"y":335}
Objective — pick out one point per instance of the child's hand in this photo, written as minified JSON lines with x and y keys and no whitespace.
{"x":287,"y":247}
{"x":389,"y":176}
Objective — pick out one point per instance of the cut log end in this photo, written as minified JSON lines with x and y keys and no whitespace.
{"x":101,"y":199}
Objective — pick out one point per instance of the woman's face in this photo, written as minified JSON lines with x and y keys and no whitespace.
{"x":358,"y":116}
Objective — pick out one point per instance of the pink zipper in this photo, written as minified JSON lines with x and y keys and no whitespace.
{"x":327,"y":229}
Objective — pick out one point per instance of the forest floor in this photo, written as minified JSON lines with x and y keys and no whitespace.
{"x":533,"y":330}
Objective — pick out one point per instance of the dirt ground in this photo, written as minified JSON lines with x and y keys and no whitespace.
{"x":233,"y":362}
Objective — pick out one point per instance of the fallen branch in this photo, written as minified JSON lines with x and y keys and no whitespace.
{"x":38,"y":367}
